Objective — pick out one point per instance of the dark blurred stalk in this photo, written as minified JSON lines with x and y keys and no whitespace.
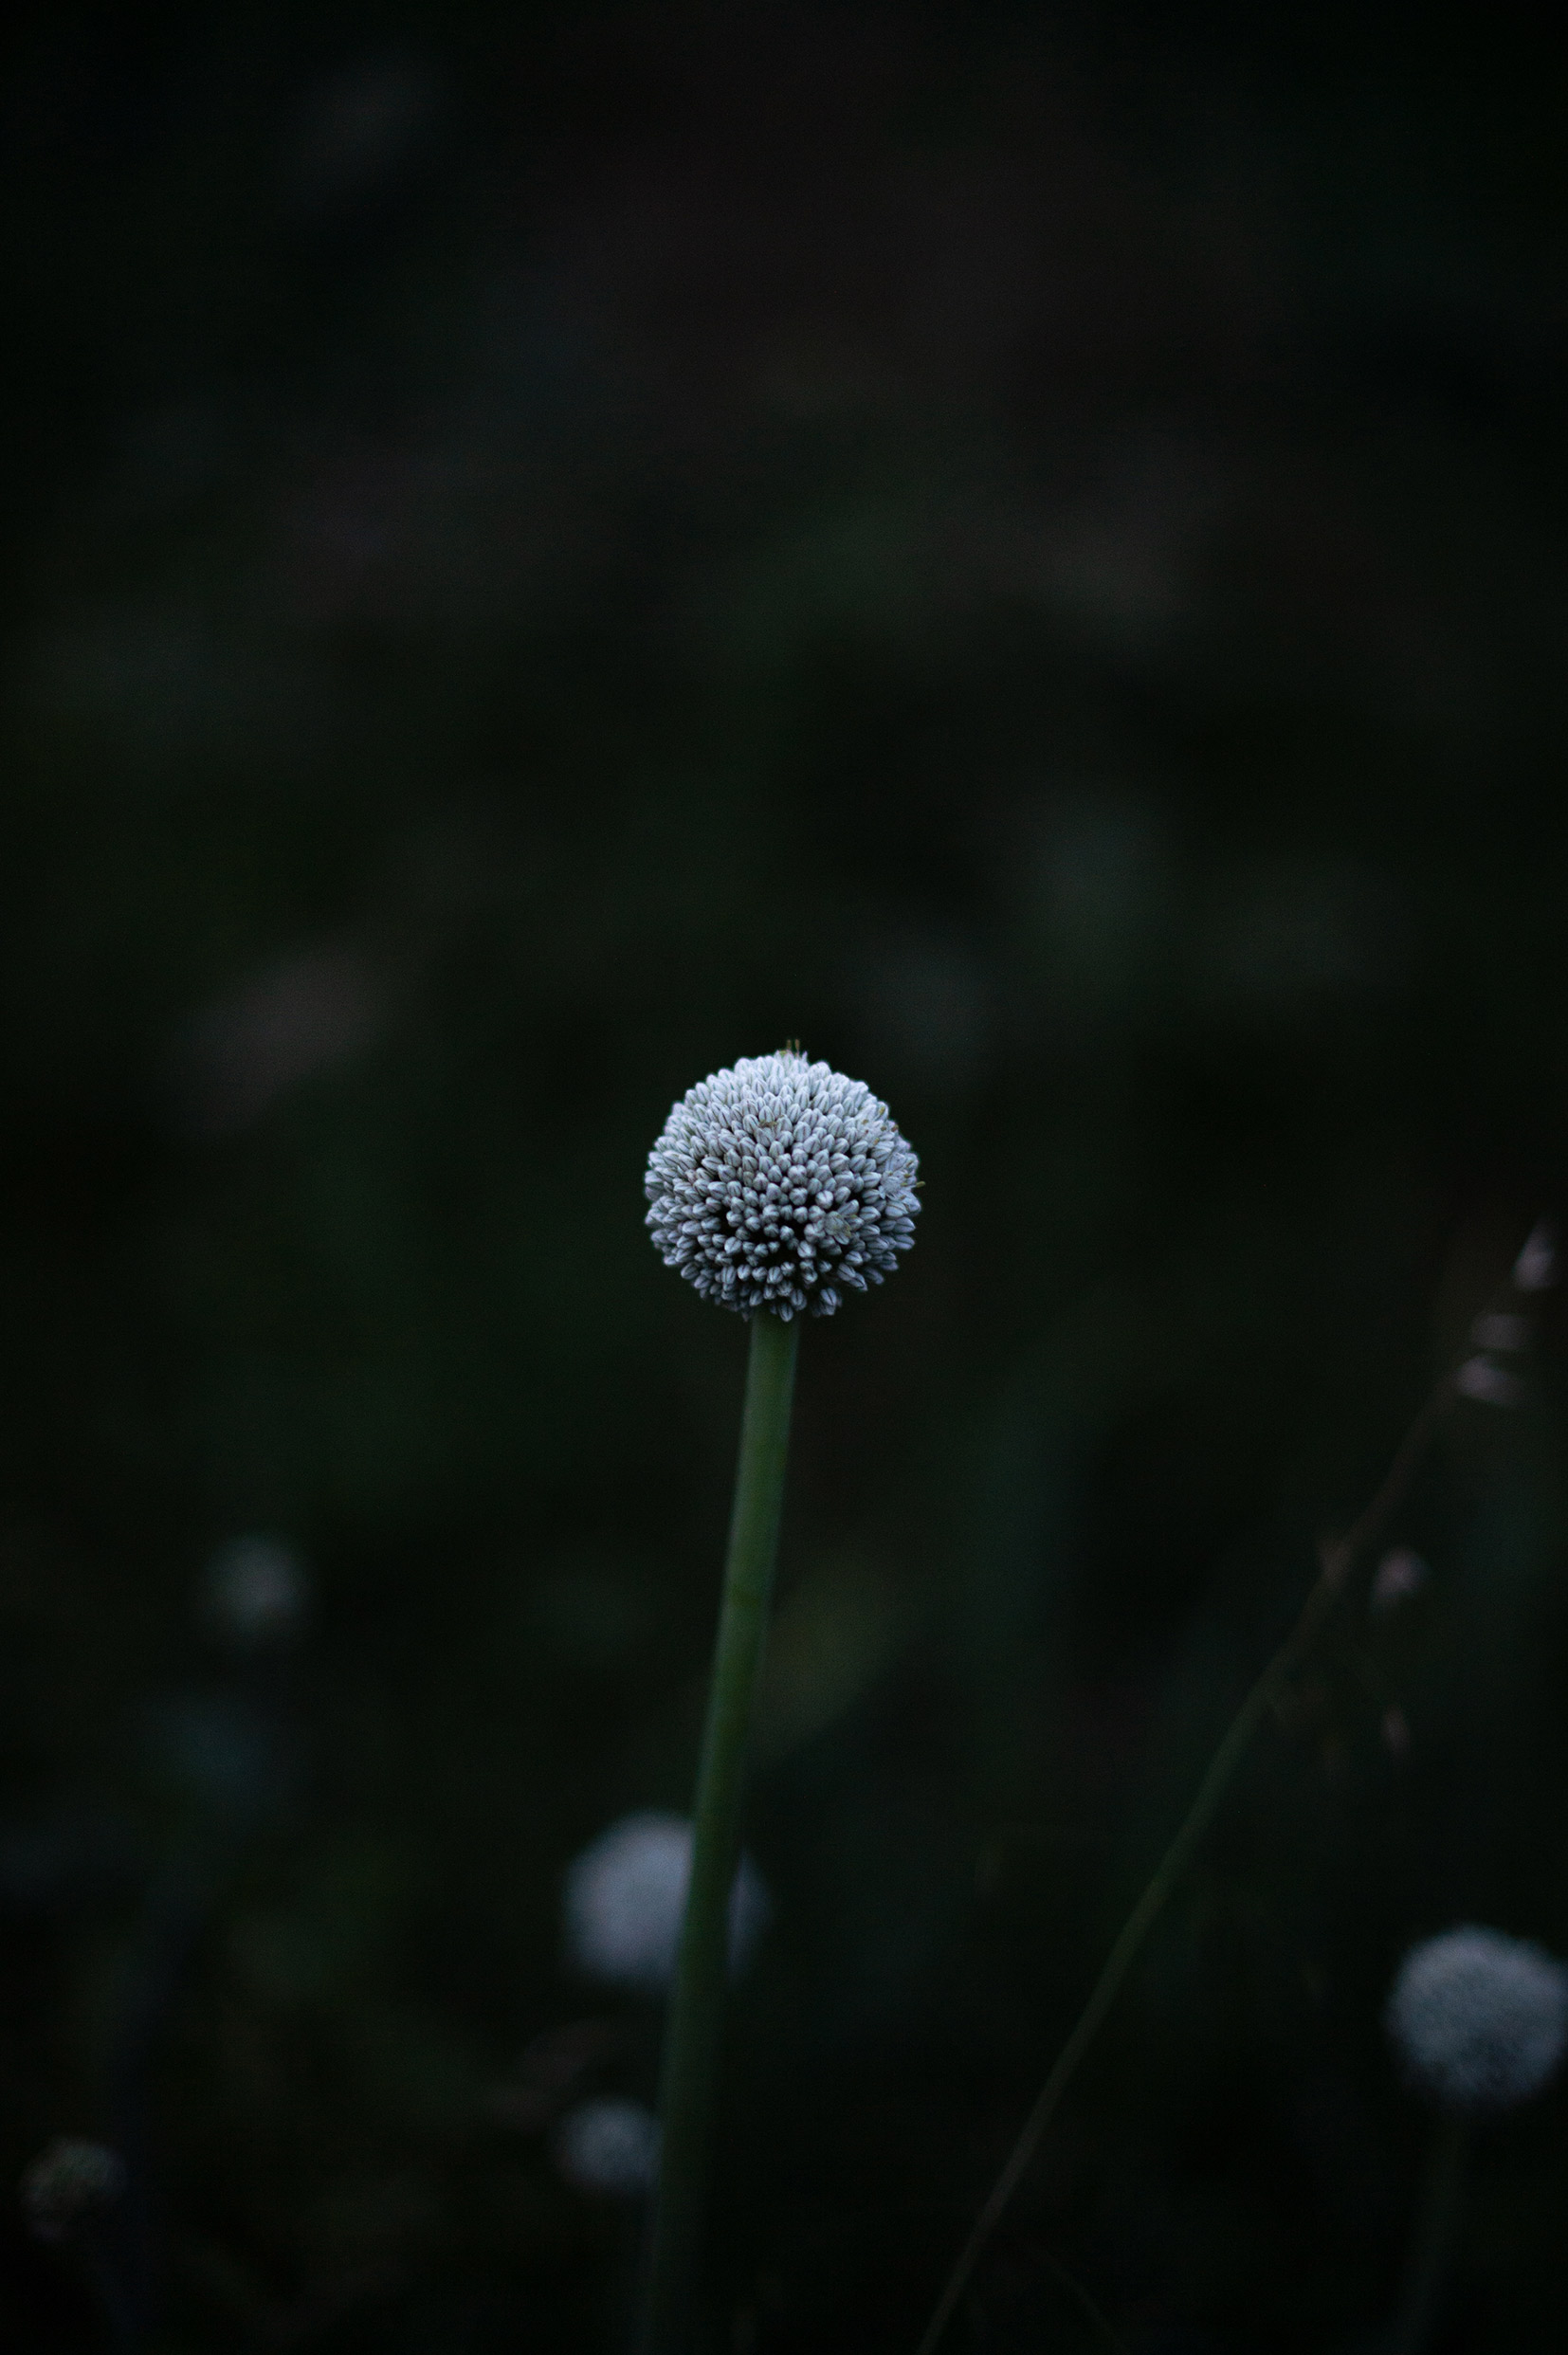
{"x":122,"y":2330}
{"x":692,"y":2037}
{"x":1338,"y":1557}
{"x":1434,"y":2235}
{"x":179,"y":1905}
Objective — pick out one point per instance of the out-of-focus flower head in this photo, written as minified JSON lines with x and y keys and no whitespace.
{"x":609,"y":2145}
{"x":68,"y":2184}
{"x":625,"y":1899}
{"x":776,"y":1183}
{"x":254,"y":1593}
{"x":1536,"y":1267}
{"x":1479,"y":2020}
{"x":1489,"y":1384}
{"x":1400,"y":1576}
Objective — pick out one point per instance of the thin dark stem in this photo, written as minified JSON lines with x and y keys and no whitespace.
{"x":179,"y":1905}
{"x":1433,"y":2237}
{"x":692,"y":2037}
{"x":121,"y":2329}
{"x":1338,"y":1557}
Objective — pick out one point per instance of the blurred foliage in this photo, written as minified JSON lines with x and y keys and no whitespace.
{"x":548,"y":550}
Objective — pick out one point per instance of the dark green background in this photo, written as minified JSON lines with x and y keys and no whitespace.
{"x":550,"y":549}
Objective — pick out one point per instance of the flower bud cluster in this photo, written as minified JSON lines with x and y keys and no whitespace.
{"x":777,"y":1183}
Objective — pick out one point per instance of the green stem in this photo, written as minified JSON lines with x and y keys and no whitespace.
{"x":1428,"y":2255}
{"x":1337,"y":1562}
{"x":692,"y":2036}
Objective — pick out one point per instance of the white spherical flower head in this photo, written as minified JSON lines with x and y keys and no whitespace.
{"x":255,"y":1593}
{"x":776,"y":1184}
{"x":608,"y":2146}
{"x":1479,"y":2020}
{"x":625,"y":1899}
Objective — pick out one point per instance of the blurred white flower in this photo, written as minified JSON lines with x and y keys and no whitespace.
{"x":255,"y":1592}
{"x":1477,"y":1378}
{"x":68,"y":2184}
{"x":1537,"y":1264}
{"x":609,"y":2145}
{"x":1478,"y":2019}
{"x":1400,"y":1575}
{"x":625,"y":1898}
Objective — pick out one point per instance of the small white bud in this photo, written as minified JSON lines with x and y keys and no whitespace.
{"x":254,"y":1592}
{"x":609,"y":2146}
{"x":1479,"y":2020}
{"x":625,"y":1900}
{"x":1399,"y":1576}
{"x":1536,"y":1267}
{"x":1477,"y":1378}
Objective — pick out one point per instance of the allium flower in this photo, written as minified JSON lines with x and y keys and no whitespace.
{"x":1479,"y":2020}
{"x":625,"y":1897}
{"x":609,"y":2145}
{"x":776,"y":1183}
